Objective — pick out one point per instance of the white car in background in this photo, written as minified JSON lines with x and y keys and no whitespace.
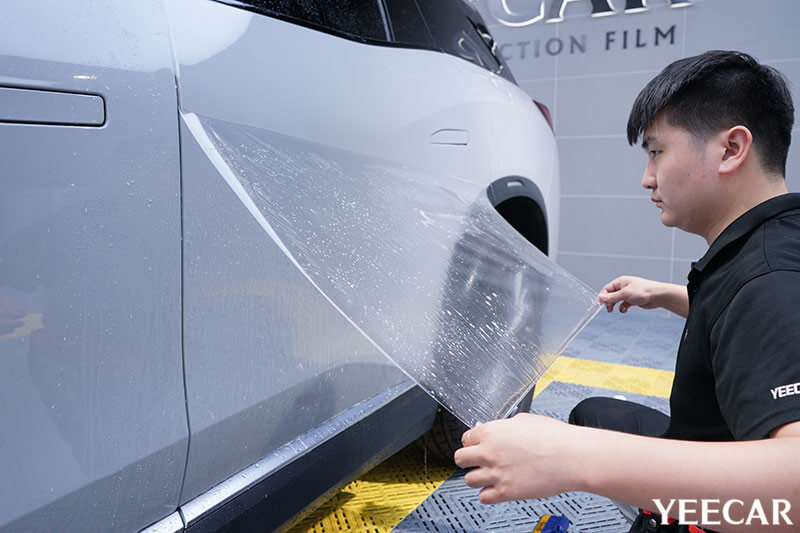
{"x":162,"y":364}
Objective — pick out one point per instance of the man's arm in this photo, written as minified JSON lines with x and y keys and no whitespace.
{"x":647,"y":294}
{"x":531,"y":456}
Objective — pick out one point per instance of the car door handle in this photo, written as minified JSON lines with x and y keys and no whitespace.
{"x":450,"y":137}
{"x":40,"y":106}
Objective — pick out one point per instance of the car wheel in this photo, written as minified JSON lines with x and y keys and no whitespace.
{"x":444,"y":437}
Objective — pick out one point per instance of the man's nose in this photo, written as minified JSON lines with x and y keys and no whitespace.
{"x":649,"y":178}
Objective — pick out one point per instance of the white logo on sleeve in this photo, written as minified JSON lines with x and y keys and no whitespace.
{"x":785,"y":390}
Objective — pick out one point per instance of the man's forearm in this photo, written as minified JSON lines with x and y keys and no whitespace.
{"x":674,"y":298}
{"x":637,"y":470}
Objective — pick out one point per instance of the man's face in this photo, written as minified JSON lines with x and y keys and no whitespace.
{"x":678,"y":175}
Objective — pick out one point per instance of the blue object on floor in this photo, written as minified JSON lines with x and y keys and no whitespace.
{"x":552,"y":524}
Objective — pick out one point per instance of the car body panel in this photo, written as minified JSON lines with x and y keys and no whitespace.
{"x":267,"y":357}
{"x":520,"y":142}
{"x":92,"y":405}
{"x":303,"y":83}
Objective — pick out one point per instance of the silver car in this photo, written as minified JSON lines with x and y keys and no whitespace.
{"x":162,"y":364}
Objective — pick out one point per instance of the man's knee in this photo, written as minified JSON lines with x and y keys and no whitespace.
{"x":588,"y":412}
{"x":619,"y":415}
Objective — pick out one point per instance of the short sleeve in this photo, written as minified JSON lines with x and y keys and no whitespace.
{"x":755,"y":351}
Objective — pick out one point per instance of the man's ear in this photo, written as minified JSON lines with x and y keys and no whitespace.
{"x":736,"y":143}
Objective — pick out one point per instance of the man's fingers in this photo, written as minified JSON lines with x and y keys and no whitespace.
{"x":471,"y":437}
{"x":602,"y":296}
{"x":480,"y":477}
{"x":616,"y":296}
{"x":490,"y":495}
{"x":468,"y":457}
{"x":612,"y":286}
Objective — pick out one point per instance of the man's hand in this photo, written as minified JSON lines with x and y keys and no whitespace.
{"x":527,"y":456}
{"x":631,"y":291}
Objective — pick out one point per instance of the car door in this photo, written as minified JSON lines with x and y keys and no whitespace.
{"x":94,"y":431}
{"x":267,"y":357}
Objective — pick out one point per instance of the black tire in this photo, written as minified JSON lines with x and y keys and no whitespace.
{"x":444,"y":437}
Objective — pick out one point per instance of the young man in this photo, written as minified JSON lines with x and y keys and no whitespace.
{"x":716,"y":128}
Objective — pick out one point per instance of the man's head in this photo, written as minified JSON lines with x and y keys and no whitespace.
{"x":716,"y":128}
{"x":715,"y":91}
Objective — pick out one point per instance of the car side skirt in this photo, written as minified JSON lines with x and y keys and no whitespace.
{"x":312,"y":467}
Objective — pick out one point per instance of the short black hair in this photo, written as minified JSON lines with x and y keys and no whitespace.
{"x":716,"y":90}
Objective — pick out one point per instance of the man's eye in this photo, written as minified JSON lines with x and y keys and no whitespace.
{"x":654,"y":153}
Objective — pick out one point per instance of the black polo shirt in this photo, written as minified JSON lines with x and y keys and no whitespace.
{"x":737,"y":375}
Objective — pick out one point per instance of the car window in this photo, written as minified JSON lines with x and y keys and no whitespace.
{"x":453,"y":32}
{"x":351,"y":18}
{"x":458,"y":29}
{"x":478,"y":24}
{"x":408,"y":26}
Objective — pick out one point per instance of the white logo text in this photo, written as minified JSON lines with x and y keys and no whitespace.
{"x":785,"y":390}
{"x":715,"y":513}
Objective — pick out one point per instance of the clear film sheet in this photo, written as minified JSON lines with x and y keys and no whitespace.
{"x":422,"y":264}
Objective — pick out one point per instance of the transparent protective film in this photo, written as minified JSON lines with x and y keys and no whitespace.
{"x":421,"y":264}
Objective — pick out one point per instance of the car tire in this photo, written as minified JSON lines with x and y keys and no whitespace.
{"x":444,"y":437}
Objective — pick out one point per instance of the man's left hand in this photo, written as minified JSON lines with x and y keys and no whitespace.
{"x":527,"y":456}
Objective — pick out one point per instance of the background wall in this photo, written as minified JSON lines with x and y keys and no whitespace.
{"x":588,"y":70}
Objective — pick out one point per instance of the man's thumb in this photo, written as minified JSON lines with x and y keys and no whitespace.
{"x":613,"y":297}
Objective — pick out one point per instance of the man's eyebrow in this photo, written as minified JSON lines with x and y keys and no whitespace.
{"x":647,"y":140}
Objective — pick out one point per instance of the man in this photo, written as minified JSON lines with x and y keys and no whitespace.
{"x":716,"y":128}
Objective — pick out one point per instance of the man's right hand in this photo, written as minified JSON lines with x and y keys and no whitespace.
{"x":631,"y":291}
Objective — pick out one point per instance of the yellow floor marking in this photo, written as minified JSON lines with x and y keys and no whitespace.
{"x":388,"y":493}
{"x":624,"y":378}
{"x":30,"y":323}
{"x":378,"y":501}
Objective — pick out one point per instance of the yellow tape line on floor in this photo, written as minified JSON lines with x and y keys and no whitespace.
{"x":388,"y":493}
{"x":624,"y":378}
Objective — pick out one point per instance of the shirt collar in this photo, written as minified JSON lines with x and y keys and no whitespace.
{"x":747,"y":223}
